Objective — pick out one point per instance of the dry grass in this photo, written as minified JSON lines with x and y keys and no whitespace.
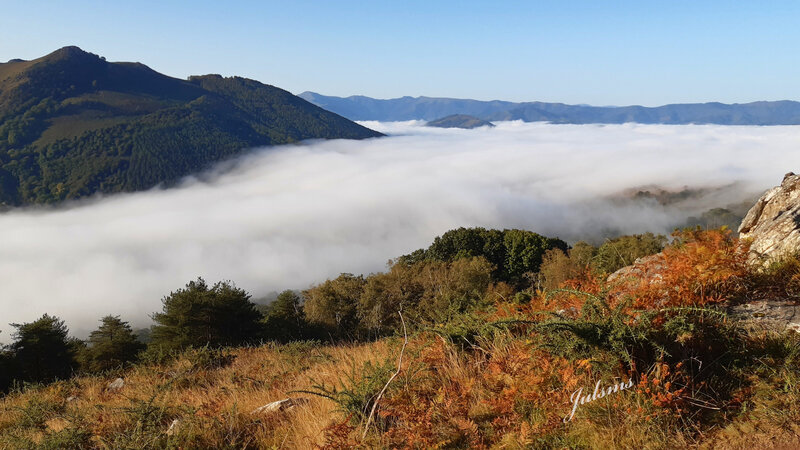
{"x":704,"y":383}
{"x":501,"y":394}
{"x":213,"y":405}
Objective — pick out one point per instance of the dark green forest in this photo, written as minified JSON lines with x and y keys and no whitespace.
{"x":73,"y":124}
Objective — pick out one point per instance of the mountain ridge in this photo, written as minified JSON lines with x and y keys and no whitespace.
{"x":73,"y":124}
{"x":781,"y":112}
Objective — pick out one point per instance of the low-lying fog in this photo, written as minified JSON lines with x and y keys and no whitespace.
{"x":290,"y":216}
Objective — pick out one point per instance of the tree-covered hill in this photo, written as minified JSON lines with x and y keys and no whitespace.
{"x":459,"y":121}
{"x":73,"y":124}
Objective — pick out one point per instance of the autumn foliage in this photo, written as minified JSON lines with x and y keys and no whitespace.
{"x":699,"y":268}
{"x":512,"y":387}
{"x":498,"y":370}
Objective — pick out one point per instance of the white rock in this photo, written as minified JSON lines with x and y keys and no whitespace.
{"x":773,"y":223}
{"x":280,"y":405}
{"x":116,"y":385}
{"x":774,"y":315}
{"x":173,"y":427}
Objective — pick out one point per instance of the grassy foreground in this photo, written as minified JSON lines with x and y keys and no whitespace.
{"x":212,"y":393}
{"x":505,"y":376}
{"x":500,"y":395}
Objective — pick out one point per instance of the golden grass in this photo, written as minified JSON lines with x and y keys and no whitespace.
{"x":497,"y":389}
{"x":213,"y":405}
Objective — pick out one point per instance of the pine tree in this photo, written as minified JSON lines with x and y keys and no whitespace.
{"x":285,"y":320}
{"x":199,"y":315}
{"x":6,"y":370}
{"x":112,"y":345}
{"x":42,"y":351}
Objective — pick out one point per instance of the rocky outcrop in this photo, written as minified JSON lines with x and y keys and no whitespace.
{"x":768,"y":315}
{"x":646,"y":268}
{"x":773,"y":227}
{"x":773,"y":224}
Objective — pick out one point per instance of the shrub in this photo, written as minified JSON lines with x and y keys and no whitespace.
{"x":384,"y":294}
{"x":778,"y":279}
{"x":451,"y":289}
{"x":558,"y":267}
{"x":74,"y":437}
{"x":698,"y":268}
{"x":357,"y":389}
{"x":625,"y":250}
{"x":37,"y":411}
{"x":206,"y":358}
{"x":332,"y":305}
{"x":427,"y":292}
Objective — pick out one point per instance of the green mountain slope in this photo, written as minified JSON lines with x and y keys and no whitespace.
{"x":73,"y":124}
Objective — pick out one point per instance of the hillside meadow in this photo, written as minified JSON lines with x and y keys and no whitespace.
{"x":501,"y":374}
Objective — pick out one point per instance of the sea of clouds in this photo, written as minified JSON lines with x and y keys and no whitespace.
{"x":286,"y":217}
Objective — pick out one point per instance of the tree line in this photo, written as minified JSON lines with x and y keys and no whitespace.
{"x":463,"y":270}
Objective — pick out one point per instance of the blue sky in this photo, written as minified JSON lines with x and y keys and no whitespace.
{"x":602,"y":53}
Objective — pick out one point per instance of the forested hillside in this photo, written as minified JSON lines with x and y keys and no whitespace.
{"x":73,"y":124}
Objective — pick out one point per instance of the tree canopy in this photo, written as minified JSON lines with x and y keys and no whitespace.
{"x":513,"y":253}
{"x":42,"y":350}
{"x":285,"y":319}
{"x":199,"y":315}
{"x":111,"y":345}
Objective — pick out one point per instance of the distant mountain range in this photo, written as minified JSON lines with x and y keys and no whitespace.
{"x":72,"y":124}
{"x":431,"y":108}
